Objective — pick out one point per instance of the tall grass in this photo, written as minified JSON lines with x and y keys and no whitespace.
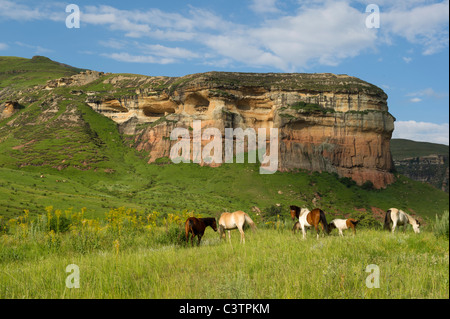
{"x":441,"y":225}
{"x":119,"y":257}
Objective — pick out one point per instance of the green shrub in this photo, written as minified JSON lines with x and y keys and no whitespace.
{"x":60,"y":225}
{"x":272,"y":212}
{"x":347,"y":181}
{"x":441,"y":227}
{"x":173,"y":235}
{"x":368,"y":185}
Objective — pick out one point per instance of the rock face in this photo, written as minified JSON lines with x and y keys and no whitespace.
{"x":8,"y":108}
{"x":432,"y":169}
{"x":81,"y":78}
{"x":326,"y":122}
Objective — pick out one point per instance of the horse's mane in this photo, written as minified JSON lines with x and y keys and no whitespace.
{"x":208,"y":220}
{"x":296,"y":209}
{"x":410,"y":218}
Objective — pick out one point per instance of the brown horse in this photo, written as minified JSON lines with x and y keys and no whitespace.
{"x":342,"y":224}
{"x":308,"y":218}
{"x":196,"y":227}
{"x":229,"y":221}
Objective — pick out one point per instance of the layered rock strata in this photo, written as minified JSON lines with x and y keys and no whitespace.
{"x":326,"y":122}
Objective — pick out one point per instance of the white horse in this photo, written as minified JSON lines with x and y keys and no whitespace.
{"x":343,"y":224}
{"x":229,"y":221}
{"x":399,"y":217}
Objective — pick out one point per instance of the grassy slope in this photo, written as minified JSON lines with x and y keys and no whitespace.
{"x":401,"y":148}
{"x":19,"y":73}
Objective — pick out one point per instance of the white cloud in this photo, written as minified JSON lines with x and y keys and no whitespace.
{"x":10,"y":10}
{"x":424,"y":24}
{"x":169,"y":52}
{"x":325,"y":34}
{"x":415,"y":100}
{"x":126,"y":57}
{"x":115,"y":19}
{"x":3,"y":46}
{"x":147,"y":53}
{"x":428,"y":92}
{"x":264,"y":6}
{"x":316,"y":32}
{"x":407,"y":59}
{"x":113,"y":43}
{"x":36,"y":48}
{"x":422,"y":131}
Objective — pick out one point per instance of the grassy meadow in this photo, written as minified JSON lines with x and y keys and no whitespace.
{"x":132,"y":255}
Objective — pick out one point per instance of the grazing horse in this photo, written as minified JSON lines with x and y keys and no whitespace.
{"x":196,"y":227}
{"x":399,"y":217}
{"x":343,"y":224}
{"x":229,"y":221}
{"x":309,"y":218}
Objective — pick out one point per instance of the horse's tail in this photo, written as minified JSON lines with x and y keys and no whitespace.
{"x":387,"y":220}
{"x":249,"y":221}
{"x":323,"y":220}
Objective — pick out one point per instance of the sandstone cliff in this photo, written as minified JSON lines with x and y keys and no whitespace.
{"x":326,"y":122}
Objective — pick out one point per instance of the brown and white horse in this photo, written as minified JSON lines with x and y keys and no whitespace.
{"x":196,"y":227}
{"x":229,"y":221}
{"x":396,"y":217}
{"x":309,"y":218}
{"x":343,"y":224}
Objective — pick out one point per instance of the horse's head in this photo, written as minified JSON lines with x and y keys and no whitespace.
{"x":416,"y":226}
{"x":214,"y":225}
{"x":331,"y":226}
{"x":294,"y":211}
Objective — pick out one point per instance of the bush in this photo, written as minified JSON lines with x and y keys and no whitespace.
{"x":366,"y":220}
{"x":347,"y":181}
{"x":368,"y":185}
{"x":174,"y":235}
{"x":441,"y":225}
{"x":272,"y":212}
{"x":60,"y":225}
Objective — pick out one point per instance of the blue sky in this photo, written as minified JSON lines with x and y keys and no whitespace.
{"x":407,"y":56}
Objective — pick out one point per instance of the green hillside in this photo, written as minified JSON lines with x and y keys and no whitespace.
{"x":401,"y":149}
{"x":421,"y":161}
{"x":56,"y":151}
{"x":18,"y":73}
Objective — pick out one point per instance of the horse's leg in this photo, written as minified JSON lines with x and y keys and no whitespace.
{"x":316,"y":226}
{"x":242,"y":235}
{"x":199,"y":236}
{"x":303,"y":232}
{"x":229,"y":236}
{"x":394,"y":225}
{"x":341,"y":233}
